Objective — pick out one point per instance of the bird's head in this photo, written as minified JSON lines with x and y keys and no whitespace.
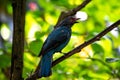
{"x":69,"y":21}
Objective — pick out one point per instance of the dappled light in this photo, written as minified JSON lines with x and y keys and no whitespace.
{"x":82,"y":15}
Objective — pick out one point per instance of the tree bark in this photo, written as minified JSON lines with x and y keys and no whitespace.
{"x":18,"y":39}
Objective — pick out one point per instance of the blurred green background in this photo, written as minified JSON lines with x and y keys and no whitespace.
{"x":98,"y":61}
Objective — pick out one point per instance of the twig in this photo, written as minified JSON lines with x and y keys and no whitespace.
{"x":102,"y":62}
{"x":111,"y":70}
{"x":78,"y":49}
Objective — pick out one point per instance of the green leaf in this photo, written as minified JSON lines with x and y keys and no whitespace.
{"x":4,"y":61}
{"x":97,"y":48}
{"x":35,"y":46}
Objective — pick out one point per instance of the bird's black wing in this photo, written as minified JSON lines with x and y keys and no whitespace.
{"x":55,"y":39}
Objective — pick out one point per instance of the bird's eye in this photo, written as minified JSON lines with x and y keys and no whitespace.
{"x":72,"y":19}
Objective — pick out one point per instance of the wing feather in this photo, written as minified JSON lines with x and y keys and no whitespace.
{"x":55,"y":39}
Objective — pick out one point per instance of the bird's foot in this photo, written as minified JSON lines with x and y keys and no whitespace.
{"x":63,"y":53}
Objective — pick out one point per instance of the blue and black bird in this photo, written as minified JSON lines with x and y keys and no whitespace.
{"x":55,"y":42}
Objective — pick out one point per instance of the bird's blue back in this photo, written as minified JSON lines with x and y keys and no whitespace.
{"x":57,"y":40}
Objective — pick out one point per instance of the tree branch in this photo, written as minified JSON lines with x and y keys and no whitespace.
{"x":72,"y":12}
{"x":18,"y":39}
{"x":78,"y":49}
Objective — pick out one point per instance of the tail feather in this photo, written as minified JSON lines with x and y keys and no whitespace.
{"x":45,"y":65}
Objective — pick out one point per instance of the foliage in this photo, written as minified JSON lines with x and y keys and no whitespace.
{"x":98,"y":61}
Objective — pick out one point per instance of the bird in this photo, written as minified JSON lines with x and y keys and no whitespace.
{"x":55,"y":42}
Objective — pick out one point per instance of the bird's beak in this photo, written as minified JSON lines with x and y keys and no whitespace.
{"x":76,"y":20}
